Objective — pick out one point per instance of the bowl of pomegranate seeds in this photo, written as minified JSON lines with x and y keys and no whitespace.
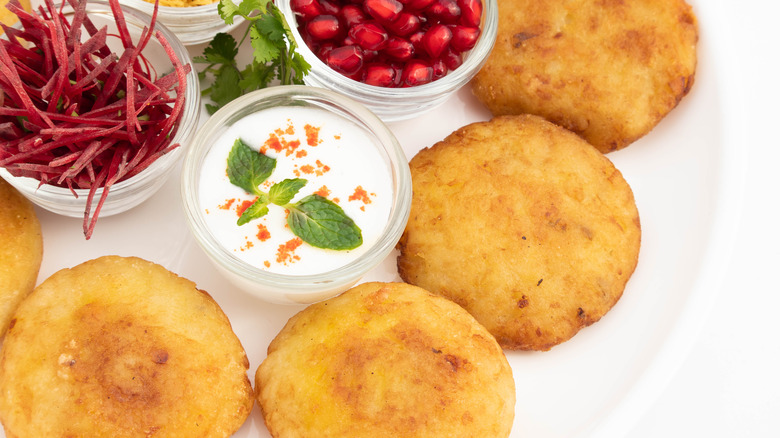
{"x":96,"y":102}
{"x":400,"y":58}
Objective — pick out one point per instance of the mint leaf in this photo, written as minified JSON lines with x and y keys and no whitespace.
{"x":323,"y":224}
{"x":257,"y":210}
{"x":282,"y":192}
{"x":248,"y":168}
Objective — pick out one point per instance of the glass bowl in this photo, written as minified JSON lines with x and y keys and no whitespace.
{"x":394,"y":104}
{"x":128,"y":193}
{"x":191,"y":24}
{"x":214,"y":139}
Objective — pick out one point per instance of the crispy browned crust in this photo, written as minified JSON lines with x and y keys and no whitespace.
{"x":525,"y":225}
{"x":608,"y":70}
{"x":21,"y":251}
{"x":385,"y":360}
{"x":121,"y":347}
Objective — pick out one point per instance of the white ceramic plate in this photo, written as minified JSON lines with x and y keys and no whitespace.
{"x":686,"y":177}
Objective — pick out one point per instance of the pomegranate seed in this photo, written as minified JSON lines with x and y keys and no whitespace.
{"x":383,"y":10}
{"x":382,"y":75}
{"x":369,"y":55}
{"x":399,"y":49}
{"x":405,"y":24}
{"x":446,"y":11}
{"x":329,"y":7}
{"x":352,"y":15}
{"x":306,"y":9}
{"x":323,"y":27}
{"x":347,"y":60}
{"x":415,"y":73}
{"x":439,"y":69}
{"x":369,"y":36}
{"x":451,"y":58}
{"x":324,"y":49}
{"x":416,"y":40}
{"x":470,"y":12}
{"x":418,"y":5}
{"x":464,"y":38}
{"x":436,"y":39}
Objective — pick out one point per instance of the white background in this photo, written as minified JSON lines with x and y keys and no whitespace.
{"x":729,"y":384}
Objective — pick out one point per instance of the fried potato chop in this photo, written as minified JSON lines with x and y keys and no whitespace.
{"x":525,"y":225}
{"x":21,"y":251}
{"x":385,"y":360}
{"x":121,"y":347}
{"x":609,"y":70}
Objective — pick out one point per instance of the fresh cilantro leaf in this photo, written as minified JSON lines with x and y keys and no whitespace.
{"x":274,"y":56}
{"x":222,"y":50}
{"x":282,"y":192}
{"x":258,"y":209}
{"x":323,"y":224}
{"x":248,"y":168}
{"x":227,"y":10}
{"x":265,"y":49}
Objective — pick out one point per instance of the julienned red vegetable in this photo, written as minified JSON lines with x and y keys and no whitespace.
{"x":73,"y":113}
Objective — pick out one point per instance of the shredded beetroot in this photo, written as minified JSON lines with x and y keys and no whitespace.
{"x":74,"y":114}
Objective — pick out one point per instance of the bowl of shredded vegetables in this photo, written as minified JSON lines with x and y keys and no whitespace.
{"x":97,"y":101}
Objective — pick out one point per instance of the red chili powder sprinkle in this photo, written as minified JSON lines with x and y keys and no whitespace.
{"x":322,"y":168}
{"x":248,"y":245}
{"x":273,"y":142}
{"x":241,"y":208}
{"x":307,"y":169}
{"x":323,"y":191}
{"x":285,"y":254}
{"x":336,"y":200}
{"x":360,"y":195}
{"x":267,"y":264}
{"x":262,"y":233}
{"x":301,"y":153}
{"x":312,"y":135}
{"x":228,"y":203}
{"x":337,"y":137}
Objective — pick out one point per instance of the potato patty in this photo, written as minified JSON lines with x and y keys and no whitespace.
{"x":21,"y":251}
{"x":609,"y":70}
{"x":525,"y":225}
{"x":121,"y":347}
{"x":385,"y":360}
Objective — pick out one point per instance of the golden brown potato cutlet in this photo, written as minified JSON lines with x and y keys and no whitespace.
{"x":525,"y":225}
{"x":121,"y":347}
{"x":608,"y":70}
{"x":385,"y":360}
{"x":21,"y":251}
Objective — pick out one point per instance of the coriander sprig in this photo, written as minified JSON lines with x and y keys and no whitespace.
{"x":317,"y":220}
{"x":274,"y":53}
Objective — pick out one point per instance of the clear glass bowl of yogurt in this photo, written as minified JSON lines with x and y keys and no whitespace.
{"x":337,"y":150}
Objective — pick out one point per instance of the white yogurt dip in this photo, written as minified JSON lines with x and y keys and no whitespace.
{"x":337,"y":159}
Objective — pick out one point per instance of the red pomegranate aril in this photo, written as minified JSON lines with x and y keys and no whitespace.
{"x":416,"y":40}
{"x":306,"y":9}
{"x":446,"y":11}
{"x":439,"y":69}
{"x":399,"y":49}
{"x":452,"y":59}
{"x":382,"y":75}
{"x":369,"y":36}
{"x":352,"y":15}
{"x":384,"y":10}
{"x":323,"y":27}
{"x":416,"y":73}
{"x":405,"y":24}
{"x":330,"y":7}
{"x":436,"y":40}
{"x":347,"y":60}
{"x":470,"y":12}
{"x":324,"y":50}
{"x":418,"y":5}
{"x":464,"y":38}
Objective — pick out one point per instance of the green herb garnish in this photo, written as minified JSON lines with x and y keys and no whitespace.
{"x":274,"y":54}
{"x":315,"y":219}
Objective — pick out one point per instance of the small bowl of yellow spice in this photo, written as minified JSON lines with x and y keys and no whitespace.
{"x":192,"y":21}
